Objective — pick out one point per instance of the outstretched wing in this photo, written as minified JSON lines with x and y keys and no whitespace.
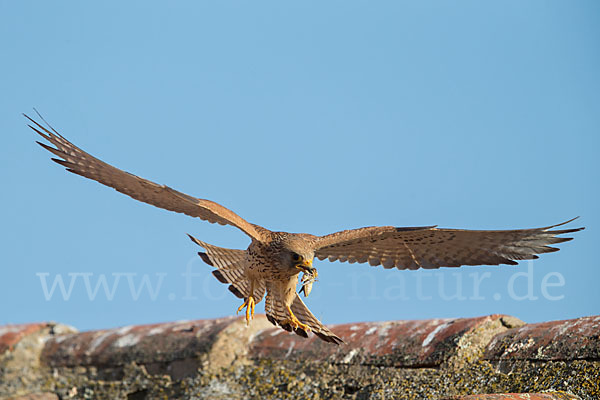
{"x":231,"y":269}
{"x":430,"y":247}
{"x":276,"y":314}
{"x":81,"y":163}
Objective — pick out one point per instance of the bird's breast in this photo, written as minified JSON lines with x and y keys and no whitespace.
{"x":264,"y":264}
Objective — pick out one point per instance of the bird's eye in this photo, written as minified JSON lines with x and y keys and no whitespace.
{"x":295,"y":257}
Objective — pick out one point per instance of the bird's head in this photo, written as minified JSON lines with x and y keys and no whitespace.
{"x":297,"y":253}
{"x":302,"y":262}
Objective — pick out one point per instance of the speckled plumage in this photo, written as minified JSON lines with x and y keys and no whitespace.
{"x":273,"y":261}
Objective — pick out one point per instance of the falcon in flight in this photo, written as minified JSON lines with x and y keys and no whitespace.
{"x":273,"y":261}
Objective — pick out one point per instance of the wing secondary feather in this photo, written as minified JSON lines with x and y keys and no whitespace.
{"x":431,"y":247}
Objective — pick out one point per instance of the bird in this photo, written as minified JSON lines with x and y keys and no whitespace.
{"x":271,"y":265}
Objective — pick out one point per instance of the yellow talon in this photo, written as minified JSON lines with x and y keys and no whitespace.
{"x":294,"y":322}
{"x":249,"y":303}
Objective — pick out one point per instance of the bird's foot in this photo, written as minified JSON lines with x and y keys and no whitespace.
{"x":293,"y":322}
{"x":249,"y":304}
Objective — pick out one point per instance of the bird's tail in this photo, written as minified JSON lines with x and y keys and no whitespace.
{"x":230,"y":269}
{"x":276,"y":314}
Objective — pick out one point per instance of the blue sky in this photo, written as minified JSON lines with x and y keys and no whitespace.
{"x":303,"y":117}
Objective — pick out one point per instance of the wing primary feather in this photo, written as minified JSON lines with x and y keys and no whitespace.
{"x":46,"y":122}
{"x":432,"y":247}
{"x":52,"y":150}
{"x":205,"y":258}
{"x":64,"y":163}
{"x":235,"y":291}
{"x":81,"y":163}
{"x":220,"y":276}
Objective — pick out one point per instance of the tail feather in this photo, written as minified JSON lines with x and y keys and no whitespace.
{"x":276,"y":314}
{"x":230,"y":269}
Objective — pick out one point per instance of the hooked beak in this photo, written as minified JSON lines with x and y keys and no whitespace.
{"x":305,"y":266}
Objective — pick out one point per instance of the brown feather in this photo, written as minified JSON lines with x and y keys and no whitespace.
{"x":430,"y":247}
{"x":84,"y":164}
